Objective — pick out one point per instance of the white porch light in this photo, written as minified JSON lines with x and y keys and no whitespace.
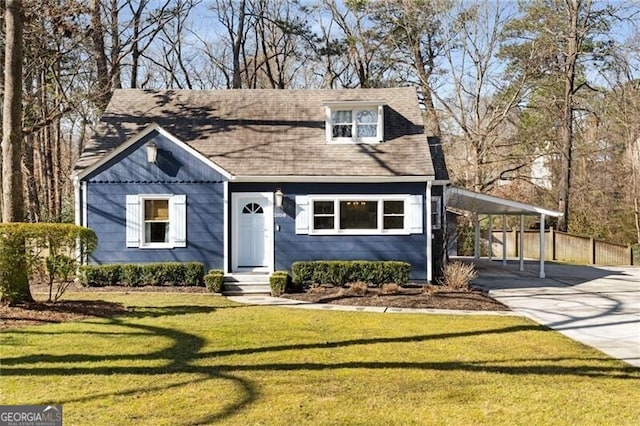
{"x":152,"y":152}
{"x":278,"y":197}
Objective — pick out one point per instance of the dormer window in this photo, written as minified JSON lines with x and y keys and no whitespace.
{"x":354,"y":122}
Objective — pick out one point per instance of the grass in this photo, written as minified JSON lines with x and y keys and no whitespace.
{"x":199,"y":359}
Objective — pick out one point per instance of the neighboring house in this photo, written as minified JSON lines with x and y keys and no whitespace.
{"x":253,"y":180}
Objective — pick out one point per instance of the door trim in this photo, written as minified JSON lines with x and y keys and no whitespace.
{"x":236,"y":200}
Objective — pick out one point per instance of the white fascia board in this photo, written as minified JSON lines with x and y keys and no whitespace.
{"x":153,"y":127}
{"x":353,"y":104}
{"x":498,"y":205}
{"x":333,"y":179}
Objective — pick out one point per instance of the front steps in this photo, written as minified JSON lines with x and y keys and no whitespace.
{"x":245,"y":283}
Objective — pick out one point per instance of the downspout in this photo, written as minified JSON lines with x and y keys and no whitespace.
{"x":225,"y":225}
{"x":76,"y":201}
{"x":429,"y":233}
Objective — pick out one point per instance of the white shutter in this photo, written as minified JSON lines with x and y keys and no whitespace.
{"x":302,"y":214}
{"x":380,"y":123}
{"x":178,"y":220}
{"x":133,"y":221}
{"x":416,"y":214}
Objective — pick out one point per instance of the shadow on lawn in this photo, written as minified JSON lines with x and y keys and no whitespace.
{"x":186,"y":349}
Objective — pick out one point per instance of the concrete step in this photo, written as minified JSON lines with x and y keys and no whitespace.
{"x":243,"y":288}
{"x":247,"y":277}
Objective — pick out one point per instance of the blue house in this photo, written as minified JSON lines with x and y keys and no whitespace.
{"x":253,"y":180}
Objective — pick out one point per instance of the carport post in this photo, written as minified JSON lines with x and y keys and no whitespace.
{"x":521,"y":248}
{"x":490,"y":237}
{"x":542,"y":247}
{"x":504,"y":240}
{"x":476,"y":238}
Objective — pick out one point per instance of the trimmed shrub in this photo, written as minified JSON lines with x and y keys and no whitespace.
{"x":99,"y":275}
{"x":279,"y":281}
{"x":341,"y":272}
{"x":135,"y":275}
{"x":193,"y":273}
{"x":214,"y":280}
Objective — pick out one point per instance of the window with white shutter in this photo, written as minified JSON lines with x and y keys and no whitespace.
{"x":156,"y":221}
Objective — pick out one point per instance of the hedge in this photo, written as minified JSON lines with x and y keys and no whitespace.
{"x":341,"y":272}
{"x":214,"y":280}
{"x":279,"y":281}
{"x":135,"y":275}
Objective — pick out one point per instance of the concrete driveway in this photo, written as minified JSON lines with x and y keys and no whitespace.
{"x":597,"y":306}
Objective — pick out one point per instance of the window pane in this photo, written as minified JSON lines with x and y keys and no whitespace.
{"x":342,"y":131}
{"x":367,"y":130}
{"x":156,"y":232}
{"x":367,"y":116}
{"x":394,"y":207}
{"x":323,"y":222}
{"x":358,"y":214}
{"x":341,"y":117}
{"x":393,"y":222}
{"x":156,"y":209}
{"x":323,"y":207}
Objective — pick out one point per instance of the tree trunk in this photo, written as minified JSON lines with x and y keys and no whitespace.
{"x":116,"y":74}
{"x":237,"y":47}
{"x":97,"y":38}
{"x":12,"y":193}
{"x":14,"y":288}
{"x":567,"y":116}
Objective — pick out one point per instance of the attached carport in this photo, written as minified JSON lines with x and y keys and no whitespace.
{"x":482,"y":204}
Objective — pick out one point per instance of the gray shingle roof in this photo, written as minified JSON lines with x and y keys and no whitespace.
{"x":269,"y":132}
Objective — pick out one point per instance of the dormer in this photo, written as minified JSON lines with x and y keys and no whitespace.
{"x":354,"y":122}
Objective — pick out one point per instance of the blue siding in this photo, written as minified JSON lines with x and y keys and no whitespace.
{"x":290,"y":247}
{"x":106,"y":216}
{"x":176,"y":172}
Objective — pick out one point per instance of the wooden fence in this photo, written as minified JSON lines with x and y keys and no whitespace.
{"x":563,"y":247}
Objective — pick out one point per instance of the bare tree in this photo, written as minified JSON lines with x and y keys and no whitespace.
{"x":12,"y":192}
{"x":482,"y":107}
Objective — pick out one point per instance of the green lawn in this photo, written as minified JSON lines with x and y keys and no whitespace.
{"x":197,"y":359}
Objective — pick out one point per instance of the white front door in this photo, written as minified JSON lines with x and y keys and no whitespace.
{"x":253,"y":231}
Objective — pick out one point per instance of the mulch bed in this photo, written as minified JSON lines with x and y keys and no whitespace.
{"x":433,"y":297}
{"x":39,"y":313}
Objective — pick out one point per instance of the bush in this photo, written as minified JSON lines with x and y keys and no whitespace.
{"x":99,"y":276}
{"x":341,"y":272}
{"x":360,"y":288}
{"x":60,"y":269}
{"x":51,"y":248}
{"x":279,"y":282}
{"x":458,"y":275}
{"x":135,"y":275}
{"x":214,"y":280}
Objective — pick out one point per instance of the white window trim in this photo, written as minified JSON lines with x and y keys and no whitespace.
{"x":141,"y":200}
{"x":175,"y":228}
{"x":354,"y":108}
{"x":406,"y":198}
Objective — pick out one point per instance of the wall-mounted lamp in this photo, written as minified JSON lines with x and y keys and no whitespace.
{"x":152,"y":152}
{"x":278,"y":198}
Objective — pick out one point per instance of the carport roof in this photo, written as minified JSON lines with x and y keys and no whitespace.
{"x":463,"y":199}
